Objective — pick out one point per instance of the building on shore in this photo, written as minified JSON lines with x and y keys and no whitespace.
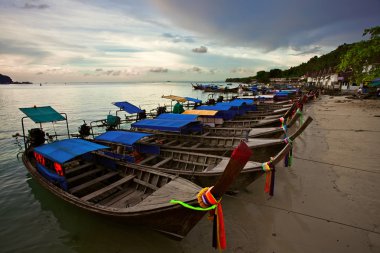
{"x":331,"y":79}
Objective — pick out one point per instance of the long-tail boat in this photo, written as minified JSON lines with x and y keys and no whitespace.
{"x":262,"y":148}
{"x":76,"y":172}
{"x":256,"y":121}
{"x":201,"y":168}
{"x":257,"y":132}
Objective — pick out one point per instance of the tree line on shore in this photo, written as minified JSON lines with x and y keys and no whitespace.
{"x":361,"y":59}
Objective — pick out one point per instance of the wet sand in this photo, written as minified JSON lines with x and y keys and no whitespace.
{"x":328,"y":201}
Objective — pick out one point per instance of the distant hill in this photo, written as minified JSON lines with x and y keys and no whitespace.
{"x":330,"y":60}
{"x":5,"y":79}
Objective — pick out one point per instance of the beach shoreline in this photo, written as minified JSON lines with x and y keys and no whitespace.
{"x":326,"y":202}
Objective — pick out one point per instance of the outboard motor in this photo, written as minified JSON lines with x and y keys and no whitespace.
{"x":36,"y":137}
{"x":210,"y":101}
{"x":141,"y":115}
{"x":161,"y":110}
{"x":84,"y":130}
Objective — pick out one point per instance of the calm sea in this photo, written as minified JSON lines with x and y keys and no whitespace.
{"x":32,"y":219}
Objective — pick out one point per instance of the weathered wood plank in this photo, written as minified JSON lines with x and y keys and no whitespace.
{"x":107,"y":188}
{"x":148,"y":159}
{"x":145,"y":184}
{"x":196,"y":145}
{"x":129,"y":199}
{"x":170,"y":142}
{"x":92,"y":182}
{"x":83,"y":175}
{"x":113,"y":199}
{"x":190,"y":162}
{"x":157,"y":165}
{"x":78,"y":168}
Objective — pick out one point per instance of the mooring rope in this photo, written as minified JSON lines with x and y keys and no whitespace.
{"x":337,"y":165}
{"x":319,"y":218}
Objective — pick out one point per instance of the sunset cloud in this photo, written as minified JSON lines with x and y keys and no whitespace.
{"x":201,"y":49}
{"x":142,"y":40}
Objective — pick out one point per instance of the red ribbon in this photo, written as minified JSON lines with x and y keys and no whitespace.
{"x":219,"y":235}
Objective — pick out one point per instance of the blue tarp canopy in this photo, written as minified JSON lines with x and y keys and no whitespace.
{"x":244,"y":100}
{"x":239,"y":106}
{"x":42,"y":114}
{"x":237,"y":102}
{"x":164,"y":124}
{"x":175,"y":116}
{"x":193,"y":100}
{"x":128,"y":107}
{"x":122,"y":137}
{"x":65,"y":150}
{"x":214,"y":107}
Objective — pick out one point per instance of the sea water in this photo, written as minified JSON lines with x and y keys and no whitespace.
{"x":34,"y":220}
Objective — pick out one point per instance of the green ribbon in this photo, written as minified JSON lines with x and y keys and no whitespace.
{"x":192,"y":207}
{"x":301,"y":115}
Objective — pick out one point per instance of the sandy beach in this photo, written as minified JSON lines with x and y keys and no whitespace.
{"x":328,"y":201}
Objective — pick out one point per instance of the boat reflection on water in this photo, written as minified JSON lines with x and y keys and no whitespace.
{"x":87,"y":232}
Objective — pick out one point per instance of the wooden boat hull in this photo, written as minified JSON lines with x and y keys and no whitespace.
{"x":173,"y":220}
{"x":262,"y":148}
{"x":269,"y":132}
{"x":259,"y":153}
{"x":259,"y":115}
{"x":240,"y":183}
{"x":204,"y":169}
{"x":252,"y":123}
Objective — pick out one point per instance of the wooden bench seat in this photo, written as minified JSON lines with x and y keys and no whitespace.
{"x":153,"y":187}
{"x":162,"y":162}
{"x":171,"y":142}
{"x":83,"y":175}
{"x":108,"y":187}
{"x":92,"y":182}
{"x":78,"y":168}
{"x":148,"y":159}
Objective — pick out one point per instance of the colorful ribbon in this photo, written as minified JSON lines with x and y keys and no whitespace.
{"x":270,"y":170}
{"x":208,"y":203}
{"x":283,"y":125}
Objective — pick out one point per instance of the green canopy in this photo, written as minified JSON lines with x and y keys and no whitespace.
{"x":375,"y":84}
{"x":42,"y":114}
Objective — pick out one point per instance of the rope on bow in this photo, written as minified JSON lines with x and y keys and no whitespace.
{"x":270,"y":171}
{"x":208,"y":202}
{"x":289,"y":157}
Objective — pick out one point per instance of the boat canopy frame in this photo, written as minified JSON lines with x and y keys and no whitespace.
{"x":43,"y":114}
{"x":181,"y":100}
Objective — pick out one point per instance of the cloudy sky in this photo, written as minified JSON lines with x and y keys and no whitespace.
{"x":159,"y":40}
